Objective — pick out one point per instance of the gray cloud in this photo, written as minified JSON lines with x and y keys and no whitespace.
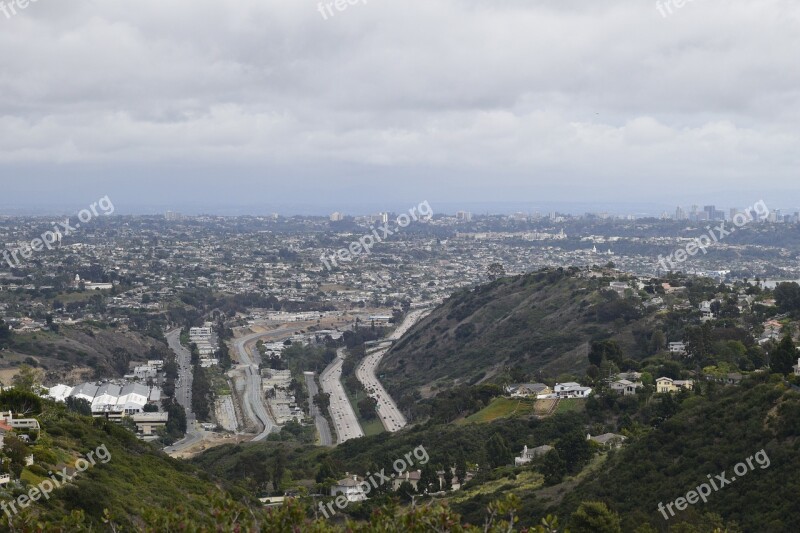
{"x":468,"y":100}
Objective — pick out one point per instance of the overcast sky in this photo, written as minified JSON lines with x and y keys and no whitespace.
{"x":263,"y":103}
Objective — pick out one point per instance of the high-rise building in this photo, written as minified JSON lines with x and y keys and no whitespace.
{"x":680,"y":214}
{"x":336,"y":217}
{"x":171,"y":216}
{"x":464,"y":216}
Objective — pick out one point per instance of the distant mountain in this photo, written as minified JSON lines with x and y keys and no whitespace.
{"x":540,"y":324}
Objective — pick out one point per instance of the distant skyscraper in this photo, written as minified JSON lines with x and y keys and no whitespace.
{"x":384,"y":218}
{"x":337,"y":217}
{"x":171,"y":216}
{"x":464,"y":216}
{"x":680,"y":214}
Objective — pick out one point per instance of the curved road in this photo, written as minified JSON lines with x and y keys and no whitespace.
{"x":391,"y":417}
{"x":255,"y":403}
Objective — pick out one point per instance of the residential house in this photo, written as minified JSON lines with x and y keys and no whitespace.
{"x":625,"y":387}
{"x":529,"y":455}
{"x":410,"y":476}
{"x":677,"y":348}
{"x":525,"y":390}
{"x":350,"y":487}
{"x":608,"y":440}
{"x":572,"y":390}
{"x":664,"y":385}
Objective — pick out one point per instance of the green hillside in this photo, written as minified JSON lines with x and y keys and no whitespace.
{"x":538,"y":324}
{"x":710,"y":435}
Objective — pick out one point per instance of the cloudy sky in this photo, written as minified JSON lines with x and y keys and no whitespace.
{"x":279,"y":105}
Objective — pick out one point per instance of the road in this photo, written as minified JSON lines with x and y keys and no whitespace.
{"x":255,"y":404}
{"x":183,"y":393}
{"x":323,"y":429}
{"x":344,"y":417}
{"x":391,"y":417}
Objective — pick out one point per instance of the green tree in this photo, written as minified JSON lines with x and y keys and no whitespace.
{"x":553,"y":468}
{"x":784,"y":356}
{"x":498,"y":452}
{"x":28,"y":378}
{"x":594,"y":517}
{"x":575,"y":450}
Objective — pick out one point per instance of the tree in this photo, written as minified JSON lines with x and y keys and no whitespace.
{"x":594,"y":517}
{"x":28,"y":378}
{"x":367,"y":407}
{"x":787,"y":297}
{"x":553,"y":468}
{"x":575,"y":450}
{"x":79,"y":405}
{"x":495,"y":271}
{"x":20,"y":401}
{"x":5,"y":335}
{"x":657,"y":341}
{"x":497,"y":451}
{"x":278,"y":469}
{"x":428,"y":480}
{"x":461,"y":470}
{"x":784,"y":356}
{"x":607,"y":350}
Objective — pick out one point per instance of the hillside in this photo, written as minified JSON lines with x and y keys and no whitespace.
{"x":129,"y":478}
{"x":539,"y":324}
{"x":709,"y":436}
{"x":80,"y":352}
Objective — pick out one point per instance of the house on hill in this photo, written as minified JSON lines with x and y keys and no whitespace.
{"x":665,"y":385}
{"x":526,"y":390}
{"x":529,"y":455}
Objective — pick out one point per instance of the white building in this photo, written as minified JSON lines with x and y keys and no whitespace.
{"x":572,"y":390}
{"x":351,"y":488}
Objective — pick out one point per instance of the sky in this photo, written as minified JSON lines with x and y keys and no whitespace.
{"x":284,"y":105}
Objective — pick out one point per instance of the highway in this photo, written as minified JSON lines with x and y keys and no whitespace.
{"x":255,"y":404}
{"x":391,"y":417}
{"x":323,"y":429}
{"x":183,"y":393}
{"x":344,"y":417}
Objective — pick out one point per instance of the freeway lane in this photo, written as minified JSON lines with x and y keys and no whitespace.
{"x":391,"y":417}
{"x":344,"y":417}
{"x":183,"y":393}
{"x":323,"y":429}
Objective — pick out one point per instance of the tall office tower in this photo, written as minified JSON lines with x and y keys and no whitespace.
{"x":710,"y":212}
{"x":337,"y":217}
{"x":464,"y":216}
{"x":680,"y":214}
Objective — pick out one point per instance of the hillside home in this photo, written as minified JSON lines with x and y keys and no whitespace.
{"x":677,"y":348}
{"x":625,"y":387}
{"x":525,"y":390}
{"x":609,"y":440}
{"x":572,"y":390}
{"x":529,"y":455}
{"x":350,"y":487}
{"x":665,"y":385}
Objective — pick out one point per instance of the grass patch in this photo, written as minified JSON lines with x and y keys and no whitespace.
{"x":570,"y":405}
{"x":370,"y":427}
{"x":502,"y":408}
